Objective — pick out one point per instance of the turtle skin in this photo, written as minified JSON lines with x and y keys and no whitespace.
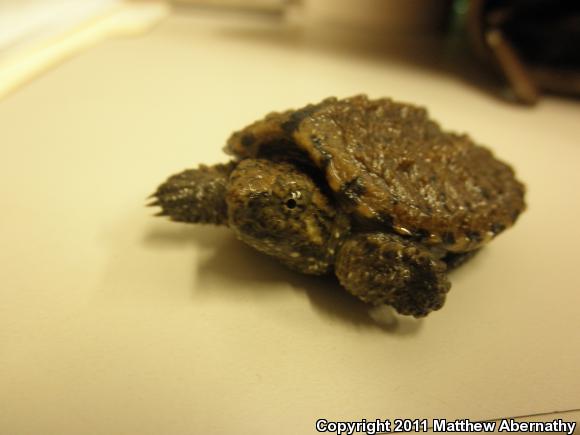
{"x":373,"y":191}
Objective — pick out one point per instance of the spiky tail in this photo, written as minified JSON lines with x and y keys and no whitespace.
{"x":195,"y":195}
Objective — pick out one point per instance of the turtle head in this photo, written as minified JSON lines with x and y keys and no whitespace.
{"x":279,"y":210}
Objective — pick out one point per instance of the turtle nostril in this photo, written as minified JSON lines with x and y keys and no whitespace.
{"x":291,"y":203}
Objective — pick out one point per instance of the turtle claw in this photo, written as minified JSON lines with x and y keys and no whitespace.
{"x":195,"y":195}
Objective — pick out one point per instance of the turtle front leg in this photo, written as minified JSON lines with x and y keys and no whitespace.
{"x":195,"y":195}
{"x":381,"y":268}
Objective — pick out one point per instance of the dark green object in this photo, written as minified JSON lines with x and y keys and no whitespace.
{"x":372,"y":190}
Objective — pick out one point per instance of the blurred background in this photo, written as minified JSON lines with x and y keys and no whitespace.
{"x":517,"y":49}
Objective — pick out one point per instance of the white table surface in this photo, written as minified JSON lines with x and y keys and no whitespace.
{"x":115,"y":322}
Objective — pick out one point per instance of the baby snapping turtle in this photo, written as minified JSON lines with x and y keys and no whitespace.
{"x":372,"y":190}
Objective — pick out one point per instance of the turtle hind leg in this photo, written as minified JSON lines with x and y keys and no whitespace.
{"x":381,"y":268}
{"x":195,"y":195}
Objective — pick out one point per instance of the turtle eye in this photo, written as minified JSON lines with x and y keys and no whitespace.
{"x":293,"y":200}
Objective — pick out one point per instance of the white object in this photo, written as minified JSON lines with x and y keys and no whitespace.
{"x":26,"y":57}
